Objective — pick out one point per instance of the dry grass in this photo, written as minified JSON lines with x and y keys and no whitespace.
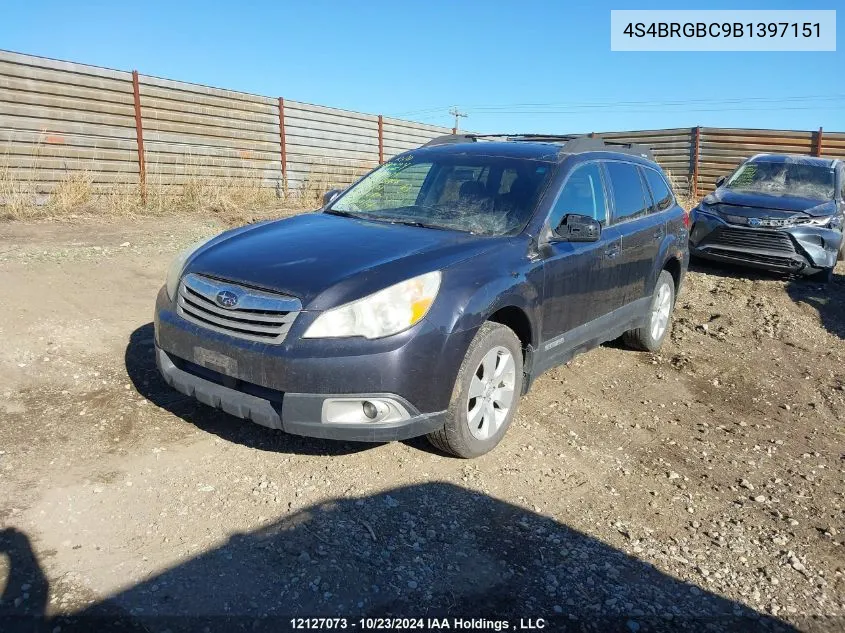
{"x":682,"y":194}
{"x":171,"y":189}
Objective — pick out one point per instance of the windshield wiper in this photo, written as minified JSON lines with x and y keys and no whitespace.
{"x":419,"y":224}
{"x":343,"y":214}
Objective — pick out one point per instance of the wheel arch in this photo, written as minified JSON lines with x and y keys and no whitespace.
{"x":673,"y":267}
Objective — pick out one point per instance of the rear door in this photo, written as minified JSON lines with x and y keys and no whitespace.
{"x":641,"y":226}
{"x":580,"y":282}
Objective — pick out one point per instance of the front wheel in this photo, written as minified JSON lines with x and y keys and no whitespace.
{"x":485,"y":396}
{"x":650,"y":337}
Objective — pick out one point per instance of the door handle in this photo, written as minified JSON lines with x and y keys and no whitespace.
{"x":659,"y":233}
{"x":612,"y":250}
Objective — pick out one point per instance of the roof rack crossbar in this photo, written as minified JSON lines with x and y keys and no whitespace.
{"x":598,"y":144}
{"x":570,"y":143}
{"x":448,"y":139}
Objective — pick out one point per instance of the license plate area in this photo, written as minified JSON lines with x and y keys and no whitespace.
{"x":216,"y":361}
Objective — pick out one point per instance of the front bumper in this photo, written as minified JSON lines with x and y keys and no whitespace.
{"x":283,"y":386}
{"x":296,"y":413}
{"x":794,"y":249}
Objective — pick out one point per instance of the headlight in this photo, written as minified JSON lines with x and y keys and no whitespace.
{"x":831,"y":222}
{"x":174,"y":273}
{"x":383,"y":313}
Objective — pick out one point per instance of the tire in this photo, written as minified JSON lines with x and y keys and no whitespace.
{"x":650,"y":337}
{"x":824,"y":276}
{"x":474,"y":396}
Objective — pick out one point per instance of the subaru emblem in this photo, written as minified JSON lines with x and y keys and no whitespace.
{"x":751,"y":222}
{"x":227,"y":299}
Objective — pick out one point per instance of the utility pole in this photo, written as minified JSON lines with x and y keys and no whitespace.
{"x":457,"y":114}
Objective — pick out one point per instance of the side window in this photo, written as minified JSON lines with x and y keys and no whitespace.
{"x":583,"y":194}
{"x":630,"y":201}
{"x":659,"y":189}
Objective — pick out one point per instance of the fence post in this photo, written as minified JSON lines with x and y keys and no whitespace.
{"x":817,"y":150}
{"x":283,"y":146}
{"x":380,"y":140}
{"x":694,"y":160}
{"x":139,"y":137}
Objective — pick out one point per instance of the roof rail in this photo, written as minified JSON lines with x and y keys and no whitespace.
{"x":598,"y":144}
{"x":448,"y":139}
{"x":538,"y":138}
{"x":570,"y":143}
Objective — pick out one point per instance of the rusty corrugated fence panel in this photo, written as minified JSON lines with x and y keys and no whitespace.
{"x":834,"y":145}
{"x":671,"y":150}
{"x":400,"y":135}
{"x":328,"y":147}
{"x":198,"y":135}
{"x":60,"y":121}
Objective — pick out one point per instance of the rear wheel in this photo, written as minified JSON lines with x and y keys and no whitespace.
{"x":650,"y":337}
{"x":485,"y":396}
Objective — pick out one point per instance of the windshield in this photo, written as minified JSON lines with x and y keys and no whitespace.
{"x":784,"y":179}
{"x":488,"y":195}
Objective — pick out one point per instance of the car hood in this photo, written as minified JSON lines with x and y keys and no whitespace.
{"x":767,"y":205}
{"x":326,"y":260}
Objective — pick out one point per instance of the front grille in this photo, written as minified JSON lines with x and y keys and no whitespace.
{"x":256,"y":315}
{"x":750,"y":238}
{"x":758,"y":258}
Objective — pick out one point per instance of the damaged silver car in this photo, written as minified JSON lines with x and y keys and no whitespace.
{"x":776,"y":212}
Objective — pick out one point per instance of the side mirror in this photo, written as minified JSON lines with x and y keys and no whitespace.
{"x":578,"y":228}
{"x":720,"y":181}
{"x":330,"y":196}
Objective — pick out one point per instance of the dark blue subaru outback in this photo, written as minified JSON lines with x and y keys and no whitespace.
{"x":426,"y":298}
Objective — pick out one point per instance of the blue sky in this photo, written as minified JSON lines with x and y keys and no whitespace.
{"x":415,"y":60}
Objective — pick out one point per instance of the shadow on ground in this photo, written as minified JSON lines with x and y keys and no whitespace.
{"x":724,"y":269}
{"x":827,"y":299}
{"x":425,"y":551}
{"x":139,"y":359}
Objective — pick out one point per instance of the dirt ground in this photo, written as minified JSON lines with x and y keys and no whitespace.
{"x":702,"y":488}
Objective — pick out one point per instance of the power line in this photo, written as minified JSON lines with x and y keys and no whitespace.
{"x":514,"y":107}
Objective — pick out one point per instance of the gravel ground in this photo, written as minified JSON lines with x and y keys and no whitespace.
{"x":696,"y":489}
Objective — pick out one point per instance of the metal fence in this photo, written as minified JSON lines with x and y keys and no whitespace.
{"x":127,"y":130}
{"x":124,"y":129}
{"x":696,"y":157}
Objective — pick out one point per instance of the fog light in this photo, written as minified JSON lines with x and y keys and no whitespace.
{"x":370,"y":409}
{"x":352,"y":410}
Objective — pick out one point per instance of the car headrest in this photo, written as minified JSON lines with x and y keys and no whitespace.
{"x":472,"y":189}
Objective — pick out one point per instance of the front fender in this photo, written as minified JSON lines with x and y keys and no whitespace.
{"x":820,"y":244}
{"x":479,"y":288}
